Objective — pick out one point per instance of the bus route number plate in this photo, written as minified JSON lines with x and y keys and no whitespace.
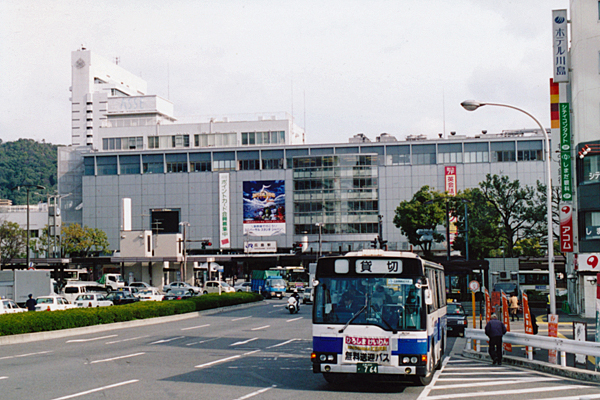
{"x":366,"y":368}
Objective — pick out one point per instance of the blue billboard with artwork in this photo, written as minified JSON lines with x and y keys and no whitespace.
{"x":264,"y":208}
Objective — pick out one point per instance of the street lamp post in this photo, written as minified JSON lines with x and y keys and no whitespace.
{"x":320,"y":225}
{"x":183,"y":269}
{"x":28,"y":187}
{"x":471,"y":105}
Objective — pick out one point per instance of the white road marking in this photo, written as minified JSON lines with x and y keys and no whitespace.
{"x":25,"y":355}
{"x":283,"y":343}
{"x":279,"y":305}
{"x":431,"y":385}
{"x":255,"y":393}
{"x":241,"y":318}
{"x":167,"y":340}
{"x":195,"y":327}
{"x":490,"y":373}
{"x":127,"y":340}
{"x":3,"y":377}
{"x":202,"y":341}
{"x":494,"y":383}
{"x":505,"y":392}
{"x":294,"y":319}
{"x":244,"y":342}
{"x":116,"y":358}
{"x":260,"y":327}
{"x":90,"y":339}
{"x":97,"y":390}
{"x":222,"y":360}
{"x":583,"y":396}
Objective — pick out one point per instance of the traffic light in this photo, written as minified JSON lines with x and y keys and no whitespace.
{"x":297,"y":247}
{"x":374,"y":243}
{"x":206,"y":243}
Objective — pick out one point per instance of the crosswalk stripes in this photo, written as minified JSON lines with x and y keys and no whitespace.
{"x":462,"y":378}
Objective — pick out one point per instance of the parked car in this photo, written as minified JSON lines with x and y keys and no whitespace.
{"x":8,"y":306}
{"x":243,"y":287}
{"x":132,"y":290}
{"x":307,"y":295}
{"x":75,"y":288}
{"x":122,"y":297}
{"x":53,"y":303}
{"x":177,"y":294}
{"x":92,"y":300}
{"x":456,"y":319}
{"x":182,"y":285}
{"x":140,"y":285}
{"x":213,"y":287}
{"x":150,"y":294}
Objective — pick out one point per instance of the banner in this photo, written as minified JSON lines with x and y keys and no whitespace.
{"x":506,"y":320}
{"x":450,"y":179}
{"x":488,"y":307}
{"x":527,"y":318}
{"x":359,"y":349}
{"x":224,"y":211}
{"x":552,"y":332}
{"x":566,"y":228}
{"x":264,"y":208}
{"x":560,"y":45}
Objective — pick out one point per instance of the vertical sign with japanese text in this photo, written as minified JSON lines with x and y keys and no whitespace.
{"x":566,"y":170}
{"x":224,"y":211}
{"x":506,"y":320}
{"x":566,"y":228}
{"x":560,"y":46}
{"x":450,"y":179}
{"x":552,"y":332}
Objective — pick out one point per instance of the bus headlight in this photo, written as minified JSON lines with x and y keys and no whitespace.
{"x":405,"y":360}
{"x":414,"y":360}
{"x":323,"y":357}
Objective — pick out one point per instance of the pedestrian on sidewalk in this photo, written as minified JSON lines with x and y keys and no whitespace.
{"x":514,"y":307}
{"x":495,"y":329}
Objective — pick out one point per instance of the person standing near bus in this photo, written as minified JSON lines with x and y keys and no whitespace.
{"x":514,"y":307}
{"x":495,"y":329}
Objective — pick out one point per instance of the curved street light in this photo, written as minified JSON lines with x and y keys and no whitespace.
{"x":472,"y":105}
{"x":28,"y":188}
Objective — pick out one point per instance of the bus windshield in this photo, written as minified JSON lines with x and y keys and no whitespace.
{"x":391,"y":303}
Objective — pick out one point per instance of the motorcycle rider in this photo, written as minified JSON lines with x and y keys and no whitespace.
{"x":297,"y":297}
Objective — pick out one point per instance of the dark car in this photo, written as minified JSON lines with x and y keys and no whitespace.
{"x":177,"y":294}
{"x":457,"y":319}
{"x":122,"y":297}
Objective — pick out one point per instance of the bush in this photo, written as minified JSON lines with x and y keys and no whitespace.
{"x":40,"y":321}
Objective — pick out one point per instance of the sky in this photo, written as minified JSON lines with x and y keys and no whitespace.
{"x":340,"y":67}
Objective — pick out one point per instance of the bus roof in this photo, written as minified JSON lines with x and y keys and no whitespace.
{"x":381,"y":253}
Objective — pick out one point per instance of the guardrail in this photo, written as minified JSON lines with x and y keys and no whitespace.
{"x":561,"y":345}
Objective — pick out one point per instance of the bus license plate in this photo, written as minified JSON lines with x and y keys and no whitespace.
{"x":366,"y":368}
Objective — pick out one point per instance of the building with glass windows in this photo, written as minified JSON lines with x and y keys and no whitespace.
{"x":249,"y":182}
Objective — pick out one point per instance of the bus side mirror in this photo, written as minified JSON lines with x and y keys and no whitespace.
{"x":428,"y":297}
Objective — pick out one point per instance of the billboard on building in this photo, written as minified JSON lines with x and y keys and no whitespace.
{"x":264,"y":208}
{"x":560,"y":46}
{"x":224,"y":212}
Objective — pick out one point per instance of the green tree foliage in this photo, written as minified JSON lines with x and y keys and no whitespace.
{"x":12,"y":241}
{"x":415,"y":214}
{"x":78,"y":241}
{"x":26,"y":161}
{"x":482,"y":220}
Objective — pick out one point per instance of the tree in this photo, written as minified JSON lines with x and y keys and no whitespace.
{"x":517,"y":207}
{"x":483,"y":223}
{"x":415,"y":214}
{"x":80,"y":241}
{"x":12,"y":241}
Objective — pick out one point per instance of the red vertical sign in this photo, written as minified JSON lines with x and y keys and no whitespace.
{"x":450,"y":178}
{"x":566,"y":228}
{"x":552,"y":332}
{"x":488,"y":307}
{"x":527,"y":317}
{"x":506,"y":320}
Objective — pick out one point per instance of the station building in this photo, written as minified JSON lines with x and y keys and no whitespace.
{"x":251,"y":186}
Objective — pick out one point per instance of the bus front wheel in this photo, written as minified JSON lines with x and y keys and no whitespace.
{"x":426,"y":380}
{"x":334,"y":378}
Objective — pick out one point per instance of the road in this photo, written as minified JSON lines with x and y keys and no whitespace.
{"x":260,"y":352}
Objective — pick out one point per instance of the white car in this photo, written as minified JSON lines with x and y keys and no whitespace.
{"x":243,"y":287}
{"x":53,"y":303}
{"x":150,"y":294}
{"x":213,"y":287}
{"x":8,"y":306}
{"x":182,"y":285}
{"x":92,"y":300}
{"x":140,"y":285}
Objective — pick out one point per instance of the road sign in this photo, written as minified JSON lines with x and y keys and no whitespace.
{"x":474,"y":286}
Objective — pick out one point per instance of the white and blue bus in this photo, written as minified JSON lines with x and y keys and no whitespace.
{"x":378,"y":312}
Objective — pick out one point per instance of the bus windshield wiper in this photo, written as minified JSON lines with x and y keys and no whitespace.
{"x":353,"y":318}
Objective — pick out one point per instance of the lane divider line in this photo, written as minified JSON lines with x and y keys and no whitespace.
{"x":25,"y":355}
{"x":241,"y":318}
{"x":244,"y":342}
{"x":90,"y":339}
{"x":260,"y":327}
{"x":195,"y":327}
{"x":97,"y":389}
{"x":255,"y":393}
{"x":167,"y":340}
{"x":294,"y":319}
{"x":116,"y":358}
{"x":283,"y":343}
{"x":127,"y":340}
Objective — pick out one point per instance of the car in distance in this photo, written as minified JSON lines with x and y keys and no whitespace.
{"x":53,"y":303}
{"x":8,"y":306}
{"x":456,"y":319}
{"x":140,"y":285}
{"x":307,"y":296}
{"x":92,"y":300}
{"x":150,"y":294}
{"x":177,"y":294}
{"x":213,"y":287}
{"x":182,"y":285}
{"x":243,"y":287}
{"x":122,"y":297}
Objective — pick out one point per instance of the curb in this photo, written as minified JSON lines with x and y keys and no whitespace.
{"x":36,"y":336}
{"x":567,"y":372}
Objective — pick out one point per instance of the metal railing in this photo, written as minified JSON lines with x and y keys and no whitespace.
{"x":561,"y":345}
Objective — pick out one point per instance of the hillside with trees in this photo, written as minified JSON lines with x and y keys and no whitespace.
{"x":26,"y":161}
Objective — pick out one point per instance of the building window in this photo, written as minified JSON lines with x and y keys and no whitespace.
{"x":177,"y":163}
{"x":530,"y":150}
{"x":503,"y":151}
{"x":398,"y":155}
{"x":449,"y":153}
{"x":153,"y":164}
{"x":591,"y":169}
{"x":153,"y":142}
{"x":423,"y":154}
{"x":129,"y":165}
{"x":592,"y":225}
{"x":88,"y":166}
{"x":107,"y":165}
{"x":180,"y":141}
{"x":260,"y":138}
{"x":272,"y":159}
{"x":200,"y":162}
{"x":126,"y":143}
{"x":476,"y":153}
{"x":215,"y":140}
{"x":291,"y":153}
{"x":249,"y":165}
{"x":224,"y":161}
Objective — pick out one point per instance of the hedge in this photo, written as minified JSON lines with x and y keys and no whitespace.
{"x":40,"y":321}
